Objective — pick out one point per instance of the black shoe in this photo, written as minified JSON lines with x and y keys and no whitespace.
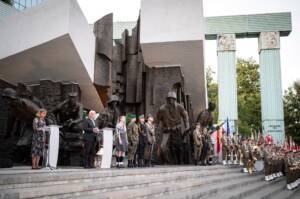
{"x":92,"y":167}
{"x":140,"y":163}
{"x":86,"y":166}
{"x":121,"y":166}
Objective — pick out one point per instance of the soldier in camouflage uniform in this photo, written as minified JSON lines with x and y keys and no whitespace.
{"x":197,"y":143}
{"x":133,"y":139}
{"x":150,"y":133}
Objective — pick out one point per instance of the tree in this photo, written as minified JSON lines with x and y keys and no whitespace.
{"x":212,"y":90}
{"x":291,"y":101}
{"x":248,"y":94}
{"x":248,"y":91}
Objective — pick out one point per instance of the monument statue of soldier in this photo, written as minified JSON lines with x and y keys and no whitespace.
{"x":205,"y":118}
{"x":110,"y":114}
{"x":28,"y":94}
{"x":20,"y":111}
{"x":69,"y":114}
{"x":170,"y":116}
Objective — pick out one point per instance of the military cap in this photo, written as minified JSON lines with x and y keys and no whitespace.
{"x":141,"y":116}
{"x":9,"y":93}
{"x":132,"y":116}
{"x":149,"y":115}
{"x":171,"y":95}
{"x":233,"y":133}
{"x":243,"y":139}
{"x":208,"y":128}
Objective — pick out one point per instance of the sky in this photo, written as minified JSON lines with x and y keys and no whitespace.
{"x":128,"y":10}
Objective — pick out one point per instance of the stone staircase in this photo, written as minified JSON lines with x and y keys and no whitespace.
{"x":160,"y":182}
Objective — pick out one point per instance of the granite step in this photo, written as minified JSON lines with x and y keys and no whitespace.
{"x":125,"y":181}
{"x":172,"y":190}
{"x":257,"y":190}
{"x":212,"y":190}
{"x":46,"y":179}
{"x":288,"y":194}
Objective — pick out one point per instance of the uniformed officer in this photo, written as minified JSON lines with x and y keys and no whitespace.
{"x":288,"y":172}
{"x":197,"y":143}
{"x":246,"y":155}
{"x":236,"y":146}
{"x":224,"y":147}
{"x":150,"y":133}
{"x":229,"y":148}
{"x":267,"y":162}
{"x":142,"y":140}
{"x":133,"y":139}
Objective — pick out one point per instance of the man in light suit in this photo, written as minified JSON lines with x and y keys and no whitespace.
{"x":89,"y":137}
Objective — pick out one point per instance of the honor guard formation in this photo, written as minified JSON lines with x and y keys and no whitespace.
{"x":263,"y":155}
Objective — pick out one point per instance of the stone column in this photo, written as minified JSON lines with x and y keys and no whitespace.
{"x":227,"y":80}
{"x":271,"y":90}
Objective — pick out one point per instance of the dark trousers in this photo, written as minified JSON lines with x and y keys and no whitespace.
{"x":141,"y":146}
{"x":204,"y":151}
{"x":88,"y":153}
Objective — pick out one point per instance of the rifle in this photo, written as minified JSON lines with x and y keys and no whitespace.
{"x":194,"y":126}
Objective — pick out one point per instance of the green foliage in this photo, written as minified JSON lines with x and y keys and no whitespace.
{"x":248,"y":91}
{"x":291,"y":102}
{"x":212,"y":90}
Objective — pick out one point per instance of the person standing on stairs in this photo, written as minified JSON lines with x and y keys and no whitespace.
{"x":197,"y":143}
{"x":224,"y":147}
{"x":121,"y":141}
{"x":150,"y":133}
{"x":133,"y":140}
{"x":246,"y":155}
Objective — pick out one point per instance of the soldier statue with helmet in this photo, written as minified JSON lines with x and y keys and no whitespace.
{"x":170,"y":116}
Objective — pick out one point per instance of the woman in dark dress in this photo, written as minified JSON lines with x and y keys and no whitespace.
{"x":37,"y":139}
{"x":121,"y":140}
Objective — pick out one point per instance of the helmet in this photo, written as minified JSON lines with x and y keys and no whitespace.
{"x":113,"y":98}
{"x":9,"y":93}
{"x":172,"y":94}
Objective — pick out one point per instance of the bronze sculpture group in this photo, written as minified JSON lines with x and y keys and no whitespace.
{"x":171,"y":117}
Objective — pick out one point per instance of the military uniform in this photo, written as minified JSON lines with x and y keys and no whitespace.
{"x":235,"y":150}
{"x":197,"y":145}
{"x":288,"y":172}
{"x":267,"y":164}
{"x":133,"y":140}
{"x":142,"y":143}
{"x":246,"y":155}
{"x":150,"y":133}
{"x":224,"y":149}
{"x":206,"y":148}
{"x":229,"y":149}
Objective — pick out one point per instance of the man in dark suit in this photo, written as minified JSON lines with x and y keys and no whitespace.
{"x":89,"y":137}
